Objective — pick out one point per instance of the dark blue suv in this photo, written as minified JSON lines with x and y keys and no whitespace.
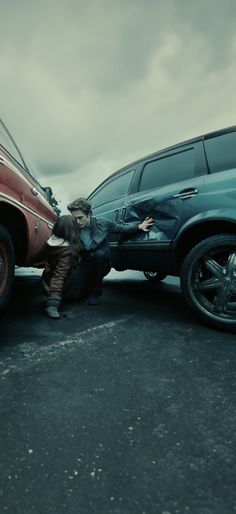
{"x":190,"y":191}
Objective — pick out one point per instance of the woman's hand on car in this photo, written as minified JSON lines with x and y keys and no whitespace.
{"x":146,"y":224}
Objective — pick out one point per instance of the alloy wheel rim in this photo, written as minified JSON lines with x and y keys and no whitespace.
{"x":151,"y":274}
{"x":213,"y":283}
{"x":3,"y":268}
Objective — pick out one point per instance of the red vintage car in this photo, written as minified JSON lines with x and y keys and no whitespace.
{"x":27,"y":213}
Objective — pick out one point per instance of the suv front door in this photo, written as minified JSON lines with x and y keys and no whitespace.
{"x":108,"y":201}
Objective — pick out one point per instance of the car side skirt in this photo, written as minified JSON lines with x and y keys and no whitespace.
{"x":163,"y":245}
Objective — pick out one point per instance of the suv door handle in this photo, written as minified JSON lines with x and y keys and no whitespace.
{"x":186,"y":193}
{"x":34,"y":191}
{"x":2,"y":161}
{"x":123,"y":213}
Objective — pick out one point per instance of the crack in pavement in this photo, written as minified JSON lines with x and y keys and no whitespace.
{"x":27,"y":355}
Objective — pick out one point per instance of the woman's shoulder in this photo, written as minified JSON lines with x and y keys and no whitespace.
{"x":57,"y":241}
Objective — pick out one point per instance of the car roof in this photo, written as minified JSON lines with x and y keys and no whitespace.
{"x":168,"y":148}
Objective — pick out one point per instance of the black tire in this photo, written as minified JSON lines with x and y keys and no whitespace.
{"x":208,"y":281}
{"x":154,"y":276}
{"x":6,"y":267}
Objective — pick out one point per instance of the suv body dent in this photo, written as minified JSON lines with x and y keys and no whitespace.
{"x":189,"y":189}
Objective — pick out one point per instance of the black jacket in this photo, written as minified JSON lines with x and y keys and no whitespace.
{"x":101,"y":228}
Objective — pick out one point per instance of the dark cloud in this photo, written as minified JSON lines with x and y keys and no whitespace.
{"x":214,"y":22}
{"x":88,"y":86}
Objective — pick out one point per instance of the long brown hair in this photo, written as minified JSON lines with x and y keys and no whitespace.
{"x":66,"y":228}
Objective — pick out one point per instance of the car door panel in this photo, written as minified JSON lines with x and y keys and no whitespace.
{"x":161,"y":204}
{"x":168,"y":202}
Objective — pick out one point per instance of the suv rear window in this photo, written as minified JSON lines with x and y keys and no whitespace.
{"x":221,"y":152}
{"x":169,"y":169}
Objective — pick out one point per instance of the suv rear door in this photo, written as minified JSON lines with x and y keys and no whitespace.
{"x":165,"y":187}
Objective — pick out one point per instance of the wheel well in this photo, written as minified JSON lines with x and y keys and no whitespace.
{"x":197,"y":233}
{"x":13,"y":220}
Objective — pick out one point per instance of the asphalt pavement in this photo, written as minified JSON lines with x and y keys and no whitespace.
{"x":124,"y":408}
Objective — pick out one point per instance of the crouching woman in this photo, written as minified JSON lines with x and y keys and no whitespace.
{"x":62,"y":251}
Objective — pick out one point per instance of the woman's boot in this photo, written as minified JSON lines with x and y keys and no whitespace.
{"x":52,"y":306}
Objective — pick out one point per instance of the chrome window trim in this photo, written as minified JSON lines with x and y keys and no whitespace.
{"x":163,"y":245}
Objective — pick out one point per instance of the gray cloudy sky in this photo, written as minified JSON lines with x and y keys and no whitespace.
{"x":87,"y":86}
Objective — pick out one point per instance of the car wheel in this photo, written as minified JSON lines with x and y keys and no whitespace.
{"x":154,"y":276}
{"x":208,"y":280}
{"x":6,"y":267}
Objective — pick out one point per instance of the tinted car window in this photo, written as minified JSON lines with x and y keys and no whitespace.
{"x":221,"y":152}
{"x":112,"y":190}
{"x":167,"y":170}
